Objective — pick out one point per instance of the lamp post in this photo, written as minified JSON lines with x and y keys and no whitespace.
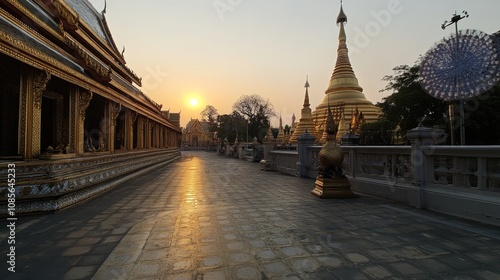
{"x":454,"y":20}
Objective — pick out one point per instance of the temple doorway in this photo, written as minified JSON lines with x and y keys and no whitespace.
{"x":49,"y":125}
{"x":9,"y":106}
{"x":194,"y":141}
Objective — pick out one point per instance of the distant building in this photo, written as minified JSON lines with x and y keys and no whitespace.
{"x":196,"y":134}
{"x":174,"y":118}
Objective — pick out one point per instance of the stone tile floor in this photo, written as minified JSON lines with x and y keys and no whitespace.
{"x":212,"y":217}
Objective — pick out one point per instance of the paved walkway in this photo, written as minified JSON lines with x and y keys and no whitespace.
{"x":211,"y":217}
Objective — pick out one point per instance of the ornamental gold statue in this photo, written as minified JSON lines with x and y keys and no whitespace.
{"x":331,"y":181}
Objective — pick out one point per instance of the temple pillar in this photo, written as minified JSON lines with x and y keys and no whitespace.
{"x":131,"y":119}
{"x":33,"y":85}
{"x":73,"y":119}
{"x":161,"y":134}
{"x":147,"y":132}
{"x":114,"y":111}
{"x":140,"y":132}
{"x":83,"y":101}
{"x":104,"y":128}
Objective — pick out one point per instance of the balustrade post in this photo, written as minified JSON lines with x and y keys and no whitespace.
{"x":481,"y":173}
{"x":305,"y":158}
{"x":421,"y":139}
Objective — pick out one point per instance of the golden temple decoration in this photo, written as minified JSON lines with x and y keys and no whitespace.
{"x":39,"y":84}
{"x":331,"y":181}
{"x":91,"y":62}
{"x":84,"y":102}
{"x":356,"y":121}
{"x":70,"y":19}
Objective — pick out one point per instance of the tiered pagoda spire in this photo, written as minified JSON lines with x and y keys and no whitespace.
{"x":305,"y":122}
{"x":344,"y":87}
{"x":281,"y":132}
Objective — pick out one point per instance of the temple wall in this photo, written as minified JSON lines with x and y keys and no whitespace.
{"x":44,"y":186}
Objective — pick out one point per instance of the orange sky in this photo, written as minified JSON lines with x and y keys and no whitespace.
{"x":217,"y":50}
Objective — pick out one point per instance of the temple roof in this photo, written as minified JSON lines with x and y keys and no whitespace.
{"x":71,"y":40}
{"x":94,"y":19}
{"x":30,"y":42}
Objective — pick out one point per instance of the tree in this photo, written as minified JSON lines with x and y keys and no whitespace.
{"x":376,"y":133}
{"x":231,"y":125}
{"x":210,"y":115}
{"x":257,"y":111}
{"x":409,"y":104}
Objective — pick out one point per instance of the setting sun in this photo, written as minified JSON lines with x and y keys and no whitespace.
{"x":193,"y":102}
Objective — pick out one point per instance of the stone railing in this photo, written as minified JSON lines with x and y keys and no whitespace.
{"x":284,"y":161}
{"x":459,"y":180}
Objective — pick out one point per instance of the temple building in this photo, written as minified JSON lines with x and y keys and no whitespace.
{"x":68,"y":102}
{"x":196,"y":134}
{"x":306,"y":121}
{"x":344,"y":94}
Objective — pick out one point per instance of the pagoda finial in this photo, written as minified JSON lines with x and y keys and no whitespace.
{"x":341,"y":18}
{"x":306,"y":98}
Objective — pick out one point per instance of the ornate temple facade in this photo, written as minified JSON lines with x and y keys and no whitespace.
{"x":344,"y":94}
{"x":68,"y":99}
{"x":196,"y":134}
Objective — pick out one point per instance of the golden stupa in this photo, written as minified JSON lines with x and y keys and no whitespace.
{"x":344,"y":95}
{"x":306,"y":120}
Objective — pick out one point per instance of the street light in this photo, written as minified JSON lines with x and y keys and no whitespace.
{"x":454,"y":20}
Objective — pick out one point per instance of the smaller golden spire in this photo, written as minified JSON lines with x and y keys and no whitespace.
{"x":306,"y":98}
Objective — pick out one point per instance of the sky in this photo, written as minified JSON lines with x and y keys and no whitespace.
{"x":219,"y":50}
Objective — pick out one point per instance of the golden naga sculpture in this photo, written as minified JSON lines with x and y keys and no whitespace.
{"x":331,"y":181}
{"x":331,"y":156}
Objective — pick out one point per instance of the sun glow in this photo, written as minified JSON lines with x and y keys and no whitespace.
{"x":193,"y":102}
